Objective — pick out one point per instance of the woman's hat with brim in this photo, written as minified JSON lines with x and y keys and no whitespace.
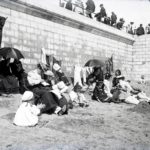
{"x":61,"y":85}
{"x":120,"y":77}
{"x":56,"y":67}
{"x":49,"y":73}
{"x":27,"y":96}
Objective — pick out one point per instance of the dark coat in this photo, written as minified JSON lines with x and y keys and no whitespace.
{"x":119,"y":25}
{"x":103,"y":12}
{"x":17,"y":69}
{"x":96,"y":76}
{"x":2,"y":22}
{"x":90,"y":6}
{"x":4,"y":68}
{"x":60,"y":76}
{"x":107,"y":20}
{"x":113,"y":18}
{"x":99,"y":93}
{"x":69,"y":6}
{"x":140,"y":31}
{"x":8,"y":82}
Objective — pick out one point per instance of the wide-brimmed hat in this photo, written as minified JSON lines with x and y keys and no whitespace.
{"x":27,"y":96}
{"x":61,"y":85}
{"x":56,"y":67}
{"x":120,"y":77}
{"x":49,"y":73}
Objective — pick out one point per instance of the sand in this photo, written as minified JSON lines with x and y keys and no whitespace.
{"x":100,"y":126}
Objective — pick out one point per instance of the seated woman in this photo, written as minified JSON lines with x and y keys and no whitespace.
{"x":97,"y":75}
{"x":98,"y":78}
{"x":136,"y":94}
{"x":44,"y":95}
{"x":19,"y":72}
{"x":94,"y":77}
{"x":9,"y":83}
{"x":125,"y":89}
{"x":102,"y":90}
{"x":59,"y":74}
{"x":125,"y":93}
{"x":115,"y":80}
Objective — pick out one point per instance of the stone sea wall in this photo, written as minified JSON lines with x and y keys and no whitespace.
{"x":70,"y":37}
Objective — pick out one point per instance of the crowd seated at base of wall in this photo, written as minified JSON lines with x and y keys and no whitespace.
{"x":89,"y":11}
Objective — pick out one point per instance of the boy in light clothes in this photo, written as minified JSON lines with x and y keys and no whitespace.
{"x":77,"y":97}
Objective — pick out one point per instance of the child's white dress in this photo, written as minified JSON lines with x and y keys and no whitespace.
{"x":26,"y":115}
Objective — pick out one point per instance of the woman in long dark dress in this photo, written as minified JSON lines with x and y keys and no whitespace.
{"x":98,"y":77}
{"x":19,"y":72}
{"x":9,"y":83}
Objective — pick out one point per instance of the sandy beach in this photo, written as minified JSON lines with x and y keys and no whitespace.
{"x":100,"y":126}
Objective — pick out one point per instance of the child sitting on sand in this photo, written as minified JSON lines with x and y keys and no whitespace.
{"x":27,"y":113}
{"x":77,"y":97}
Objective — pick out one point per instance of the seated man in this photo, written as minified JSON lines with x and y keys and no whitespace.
{"x":120,"y":24}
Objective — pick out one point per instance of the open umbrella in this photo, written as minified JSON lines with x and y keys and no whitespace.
{"x":9,"y":52}
{"x":94,"y":63}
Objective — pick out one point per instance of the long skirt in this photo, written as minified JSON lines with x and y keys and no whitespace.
{"x":45,"y":97}
{"x":9,"y":84}
{"x":48,"y":99}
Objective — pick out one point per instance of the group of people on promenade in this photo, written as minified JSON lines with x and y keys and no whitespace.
{"x":88,"y":10}
{"x":131,"y":29}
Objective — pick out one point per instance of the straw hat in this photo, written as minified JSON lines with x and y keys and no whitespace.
{"x":61,"y":85}
{"x":27,"y":96}
{"x":49,"y":73}
{"x":56,"y":67}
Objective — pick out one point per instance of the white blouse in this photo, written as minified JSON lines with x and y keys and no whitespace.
{"x":107,"y":88}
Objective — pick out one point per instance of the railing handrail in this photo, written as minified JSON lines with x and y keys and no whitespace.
{"x":78,"y":6}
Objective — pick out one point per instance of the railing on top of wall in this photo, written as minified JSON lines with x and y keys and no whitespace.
{"x":71,"y":19}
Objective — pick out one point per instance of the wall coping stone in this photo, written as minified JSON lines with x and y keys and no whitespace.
{"x":68,"y":18}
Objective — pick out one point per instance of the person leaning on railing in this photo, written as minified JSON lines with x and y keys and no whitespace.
{"x":90,"y":8}
{"x":69,"y":5}
{"x":79,"y":7}
{"x":76,"y":7}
